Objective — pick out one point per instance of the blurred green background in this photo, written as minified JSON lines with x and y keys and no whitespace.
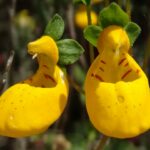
{"x":22,"y":21}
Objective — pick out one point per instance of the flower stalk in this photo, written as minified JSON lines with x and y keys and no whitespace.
{"x":91,"y":48}
{"x":128,"y":8}
{"x":102,"y":143}
{"x":106,"y":2}
{"x":146,"y":56}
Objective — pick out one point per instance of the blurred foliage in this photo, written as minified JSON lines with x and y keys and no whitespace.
{"x":22,"y":21}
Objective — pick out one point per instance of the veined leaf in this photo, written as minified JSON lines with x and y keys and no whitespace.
{"x":113,"y":15}
{"x":55,"y":27}
{"x":91,"y":34}
{"x":69,"y":51}
{"x":133,"y":31}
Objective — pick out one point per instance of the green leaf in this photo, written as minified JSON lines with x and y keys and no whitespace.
{"x":91,"y":34}
{"x":86,"y":2}
{"x":113,"y":15}
{"x":133,"y":31}
{"x":55,"y":27}
{"x":69,"y":51}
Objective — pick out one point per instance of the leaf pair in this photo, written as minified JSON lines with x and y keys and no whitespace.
{"x":112,"y":15}
{"x":69,"y":49}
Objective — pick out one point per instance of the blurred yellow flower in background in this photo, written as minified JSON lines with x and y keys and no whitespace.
{"x":81,"y":19}
{"x":24,"y":20}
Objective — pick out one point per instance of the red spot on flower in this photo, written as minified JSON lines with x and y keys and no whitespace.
{"x":98,"y":77}
{"x":126,"y":74}
{"x":101,"y":69}
{"x":49,"y":77}
{"x":121,"y":61}
{"x":126,"y":64}
{"x":92,"y":75}
{"x":45,"y":66}
{"x":137,"y":71}
{"x":102,"y":61}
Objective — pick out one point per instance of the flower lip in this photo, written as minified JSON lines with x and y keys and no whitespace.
{"x":44,"y":46}
{"x":32,"y":48}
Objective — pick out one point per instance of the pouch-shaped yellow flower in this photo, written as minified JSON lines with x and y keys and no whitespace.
{"x":30,"y":107}
{"x":116,"y":88}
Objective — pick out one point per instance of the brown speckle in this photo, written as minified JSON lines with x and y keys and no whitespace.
{"x":108,"y":106}
{"x":103,"y":62}
{"x":121,"y":98}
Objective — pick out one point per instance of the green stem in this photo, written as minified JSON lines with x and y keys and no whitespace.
{"x":12,"y":12}
{"x":120,"y":2}
{"x":102,"y":142}
{"x":77,"y":87}
{"x":88,"y":9}
{"x":91,"y":48}
{"x":146,"y":56}
{"x":106,"y":2}
{"x":70,"y":15}
{"x":128,"y":8}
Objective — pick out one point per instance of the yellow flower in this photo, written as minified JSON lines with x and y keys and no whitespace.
{"x":30,"y":107}
{"x":81,"y":17}
{"x":117,"y":90}
{"x":23,"y":20}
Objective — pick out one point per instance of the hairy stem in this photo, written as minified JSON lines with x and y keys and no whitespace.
{"x":106,"y":2}
{"x":75,"y":85}
{"x":102,"y":142}
{"x":70,"y":15}
{"x":91,"y":48}
{"x":128,"y":8}
{"x":146,"y":56}
{"x":11,"y":12}
{"x":119,"y":2}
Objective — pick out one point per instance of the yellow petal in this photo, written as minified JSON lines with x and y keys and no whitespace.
{"x":26,"y":110}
